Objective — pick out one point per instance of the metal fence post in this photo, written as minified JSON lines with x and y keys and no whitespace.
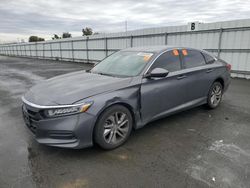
{"x":106,"y":46}
{"x":87,"y":49}
{"x":43,"y":51}
{"x":166,"y":38}
{"x":72,"y":50}
{"x":30,"y":50}
{"x":60,"y":48}
{"x":36,"y":50}
{"x":17,"y":51}
{"x":22,"y":51}
{"x":219,"y":42}
{"x":6,"y":48}
{"x":131,"y":41}
{"x":51,"y":53}
{"x":25,"y":52}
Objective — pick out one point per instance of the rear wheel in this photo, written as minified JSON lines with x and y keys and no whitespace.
{"x":113,"y":127}
{"x":215,"y":95}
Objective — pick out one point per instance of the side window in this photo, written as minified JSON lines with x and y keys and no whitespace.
{"x":209,"y":59}
{"x":169,"y":60}
{"x":192,"y":58}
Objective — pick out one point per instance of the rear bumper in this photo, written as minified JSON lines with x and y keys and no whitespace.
{"x":74,"y":131}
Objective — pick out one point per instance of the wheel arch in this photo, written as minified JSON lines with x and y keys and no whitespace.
{"x":124,"y":104}
{"x":221,"y":81}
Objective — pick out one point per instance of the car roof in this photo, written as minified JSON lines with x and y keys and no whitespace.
{"x":159,"y":49}
{"x":155,"y":49}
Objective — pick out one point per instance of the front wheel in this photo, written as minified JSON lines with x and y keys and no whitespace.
{"x":215,"y":95}
{"x":113,"y":127}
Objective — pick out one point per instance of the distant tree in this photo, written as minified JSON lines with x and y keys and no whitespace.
{"x":55,"y":37}
{"x":96,"y":33}
{"x":66,"y":35}
{"x":41,"y":39}
{"x":87,"y":31}
{"x":35,"y":39}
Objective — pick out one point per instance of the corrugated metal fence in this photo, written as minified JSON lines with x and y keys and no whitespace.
{"x":227,"y":40}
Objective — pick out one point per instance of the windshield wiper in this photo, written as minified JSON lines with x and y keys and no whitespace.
{"x":104,"y":74}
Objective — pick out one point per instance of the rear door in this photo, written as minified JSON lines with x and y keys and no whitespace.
{"x":161,"y":95}
{"x":199,"y":75}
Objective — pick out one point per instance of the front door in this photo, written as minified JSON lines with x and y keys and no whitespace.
{"x":160,"y":96}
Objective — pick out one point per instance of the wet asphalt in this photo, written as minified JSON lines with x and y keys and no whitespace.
{"x":195,"y":148}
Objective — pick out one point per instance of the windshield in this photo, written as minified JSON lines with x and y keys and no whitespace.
{"x":123,"y":63}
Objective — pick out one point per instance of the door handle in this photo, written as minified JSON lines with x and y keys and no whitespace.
{"x":181,"y":77}
{"x":209,"y":70}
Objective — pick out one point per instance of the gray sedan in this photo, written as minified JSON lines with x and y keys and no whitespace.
{"x":125,"y":91}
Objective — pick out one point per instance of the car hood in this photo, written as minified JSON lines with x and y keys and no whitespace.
{"x":72,"y":87}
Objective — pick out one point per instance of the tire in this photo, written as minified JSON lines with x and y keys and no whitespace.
{"x":214,"y":95}
{"x":113,"y":127}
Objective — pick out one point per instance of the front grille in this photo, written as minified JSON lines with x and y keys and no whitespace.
{"x":31,"y":118}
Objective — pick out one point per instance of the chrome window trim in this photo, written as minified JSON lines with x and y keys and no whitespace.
{"x":145,"y":72}
{"x":48,"y":107}
{"x":209,"y":54}
{"x":178,"y":48}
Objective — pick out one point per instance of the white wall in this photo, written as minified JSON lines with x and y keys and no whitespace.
{"x":234,"y":45}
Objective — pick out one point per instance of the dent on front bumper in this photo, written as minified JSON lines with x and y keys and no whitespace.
{"x":74,"y":131}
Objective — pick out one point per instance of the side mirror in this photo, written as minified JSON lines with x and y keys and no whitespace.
{"x":157,"y":73}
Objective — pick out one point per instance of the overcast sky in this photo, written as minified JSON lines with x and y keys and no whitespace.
{"x":22,"y":18}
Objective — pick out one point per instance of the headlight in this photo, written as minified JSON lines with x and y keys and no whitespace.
{"x":67,"y":110}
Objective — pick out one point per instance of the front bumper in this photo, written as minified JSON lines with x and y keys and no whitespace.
{"x":73,"y":131}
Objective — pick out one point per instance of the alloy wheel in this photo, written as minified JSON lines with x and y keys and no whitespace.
{"x":216,"y":95}
{"x":116,"y":128}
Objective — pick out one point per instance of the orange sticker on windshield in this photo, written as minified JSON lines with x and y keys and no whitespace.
{"x":175,"y":52}
{"x":184,"y":52}
{"x":146,"y":57}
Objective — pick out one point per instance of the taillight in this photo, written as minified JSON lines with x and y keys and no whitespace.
{"x":229,"y":67}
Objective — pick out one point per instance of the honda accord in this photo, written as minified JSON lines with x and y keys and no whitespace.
{"x":125,"y":91}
